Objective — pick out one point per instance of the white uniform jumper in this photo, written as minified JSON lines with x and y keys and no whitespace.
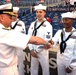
{"x":45,"y":32}
{"x":10,"y":42}
{"x":68,"y":57}
{"x":20,"y":27}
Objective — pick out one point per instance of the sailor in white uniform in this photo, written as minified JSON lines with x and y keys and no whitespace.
{"x":66,"y":56}
{"x":42,"y":28}
{"x":18,"y":26}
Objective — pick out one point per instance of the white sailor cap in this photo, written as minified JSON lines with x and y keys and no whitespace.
{"x":6,"y":9}
{"x":67,"y":15}
{"x":40,"y":6}
{"x":15,"y":9}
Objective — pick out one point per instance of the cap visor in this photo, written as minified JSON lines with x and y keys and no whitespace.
{"x":10,"y":13}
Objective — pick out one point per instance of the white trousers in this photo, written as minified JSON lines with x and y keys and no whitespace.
{"x":44,"y":62}
{"x":20,"y":62}
{"x":9,"y":71}
{"x":61,"y":65}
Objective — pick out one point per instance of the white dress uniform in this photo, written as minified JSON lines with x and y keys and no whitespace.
{"x":72,"y":2}
{"x":45,"y":32}
{"x":20,"y":27}
{"x":10,"y":42}
{"x":68,"y":57}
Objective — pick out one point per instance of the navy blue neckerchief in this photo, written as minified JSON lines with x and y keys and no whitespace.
{"x":35,"y":29}
{"x":63,"y":42}
{"x":14,"y":25}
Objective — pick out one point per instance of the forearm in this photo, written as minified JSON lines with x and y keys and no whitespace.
{"x":73,"y":63}
{"x":37,"y":41}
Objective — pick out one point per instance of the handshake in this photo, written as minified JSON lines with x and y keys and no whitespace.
{"x":46,"y":47}
{"x":48,"y":44}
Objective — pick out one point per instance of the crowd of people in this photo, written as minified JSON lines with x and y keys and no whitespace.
{"x":13,"y":40}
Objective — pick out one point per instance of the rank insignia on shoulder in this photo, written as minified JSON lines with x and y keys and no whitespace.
{"x":6,"y":28}
{"x":73,"y":37}
{"x":19,"y":25}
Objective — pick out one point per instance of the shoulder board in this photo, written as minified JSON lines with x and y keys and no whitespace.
{"x":6,"y":28}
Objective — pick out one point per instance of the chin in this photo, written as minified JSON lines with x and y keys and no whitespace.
{"x":65,"y":26}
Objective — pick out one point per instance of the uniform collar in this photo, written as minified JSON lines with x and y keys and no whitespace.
{"x":16,"y":20}
{"x":43,"y":19}
{"x":72,"y":29}
{"x":1,"y":26}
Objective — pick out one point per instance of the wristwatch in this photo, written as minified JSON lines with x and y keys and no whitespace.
{"x":46,"y":43}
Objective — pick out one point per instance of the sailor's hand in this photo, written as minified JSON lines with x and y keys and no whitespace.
{"x":68,"y":70}
{"x":33,"y":54}
{"x":47,"y":45}
{"x":52,"y":42}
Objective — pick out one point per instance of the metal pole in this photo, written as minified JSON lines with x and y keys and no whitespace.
{"x":48,"y":3}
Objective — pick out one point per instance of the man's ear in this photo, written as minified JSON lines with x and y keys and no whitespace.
{"x":1,"y":18}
